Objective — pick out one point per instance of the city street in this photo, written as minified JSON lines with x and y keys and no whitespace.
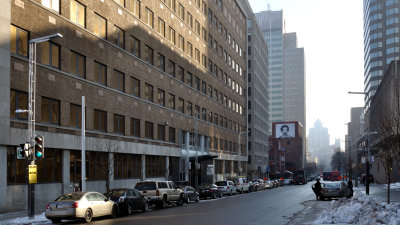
{"x":294,"y":204}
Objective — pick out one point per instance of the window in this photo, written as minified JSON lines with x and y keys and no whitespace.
{"x":77,"y":13}
{"x":148,"y":92}
{"x":127,"y":166}
{"x":172,"y":35}
{"x":18,"y":100}
{"x":171,"y":4}
{"x":189,"y":78}
{"x":204,"y":114}
{"x":197,"y":83}
{"x":96,"y":162}
{"x":189,"y":110}
{"x":204,"y":58}
{"x":181,"y":43}
{"x":197,"y":111}
{"x":118,"y":37}
{"x":161,"y":62}
{"x":209,"y":91}
{"x":134,"y":7}
{"x":135,"y":87}
{"x":197,"y":55}
{"x":171,"y":101}
{"x":19,"y":41}
{"x":172,"y":135}
{"x":100,"y":120}
{"x":119,"y":81}
{"x":149,"y":17}
{"x":181,"y":105}
{"x":149,"y":130}
{"x":210,"y":40}
{"x":197,"y":27}
{"x":50,"y":111}
{"x":210,"y":66}
{"x":181,"y":74}
{"x":155,"y":166}
{"x":216,"y":119}
{"x":190,"y":20}
{"x":50,"y":54}
{"x":161,"y":97}
{"x":135,"y":127}
{"x":148,"y":54}
{"x":204,"y":7}
{"x":100,"y":26}
{"x":210,"y":118}
{"x":77,"y":64}
{"x":134,"y":46}
{"x":75,"y":116}
{"x":52,"y":4}
{"x":171,"y":68}
{"x":204,"y":87}
{"x":161,"y":27}
{"x":190,"y":49}
{"x":100,"y":73}
{"x":161,"y":132}
{"x":181,"y":12}
{"x":204,"y":34}
{"x":119,"y":124}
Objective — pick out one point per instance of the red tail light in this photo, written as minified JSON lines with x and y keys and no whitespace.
{"x":75,"y":205}
{"x":47,"y":206}
{"x":158,"y":192}
{"x":228,"y":187}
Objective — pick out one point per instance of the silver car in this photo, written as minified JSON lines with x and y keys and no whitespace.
{"x":336,"y":189}
{"x":76,"y":205}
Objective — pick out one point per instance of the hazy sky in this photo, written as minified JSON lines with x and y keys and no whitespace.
{"x":331,"y":32}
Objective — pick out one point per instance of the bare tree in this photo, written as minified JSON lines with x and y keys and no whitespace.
{"x":338,"y":160}
{"x":105,"y":159}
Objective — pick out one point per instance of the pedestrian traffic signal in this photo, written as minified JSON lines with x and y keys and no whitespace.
{"x":23,"y":151}
{"x":39,"y":147}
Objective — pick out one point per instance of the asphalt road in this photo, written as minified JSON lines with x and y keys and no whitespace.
{"x":294,"y":204}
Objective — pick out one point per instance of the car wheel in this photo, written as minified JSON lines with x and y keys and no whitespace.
{"x":214,"y":196}
{"x":220,"y":194}
{"x":56,"y":220}
{"x":129,"y":209}
{"x":163,"y":203}
{"x":180,"y":201}
{"x":197,"y":199}
{"x":146,"y":207}
{"x":88,"y":215}
{"x":114,"y":211}
{"x":187,"y":200}
{"x":231,"y":193}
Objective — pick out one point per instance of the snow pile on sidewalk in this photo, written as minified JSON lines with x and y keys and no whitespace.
{"x":38,"y":219}
{"x":361,"y":209}
{"x":394,"y":185}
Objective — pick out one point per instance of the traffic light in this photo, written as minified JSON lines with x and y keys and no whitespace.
{"x":39,"y":147}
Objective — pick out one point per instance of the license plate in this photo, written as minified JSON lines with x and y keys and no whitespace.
{"x":59,"y":206}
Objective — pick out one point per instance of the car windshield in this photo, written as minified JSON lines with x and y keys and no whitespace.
{"x":144,"y":186}
{"x":221,"y":183}
{"x":115,"y":193}
{"x":74,"y":196}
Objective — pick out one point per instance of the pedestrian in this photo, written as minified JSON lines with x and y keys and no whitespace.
{"x":350,"y":185}
{"x":317,"y":188}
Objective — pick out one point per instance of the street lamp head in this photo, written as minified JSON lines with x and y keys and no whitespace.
{"x":46,"y":38}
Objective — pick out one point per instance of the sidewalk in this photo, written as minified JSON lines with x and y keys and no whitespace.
{"x":379,"y":191}
{"x":21,"y":218}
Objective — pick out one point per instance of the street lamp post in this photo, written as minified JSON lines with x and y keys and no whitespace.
{"x":31,"y":112}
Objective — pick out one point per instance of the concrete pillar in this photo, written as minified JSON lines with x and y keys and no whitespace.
{"x":167,"y":168}
{"x":223,"y":169}
{"x":143,"y":167}
{"x":3,"y":177}
{"x":111,"y":169}
{"x":202,"y":144}
{"x":187,"y":156}
{"x":66,"y":183}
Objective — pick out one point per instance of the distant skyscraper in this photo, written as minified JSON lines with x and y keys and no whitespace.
{"x":381,"y":41}
{"x":318,"y":139}
{"x":286,"y":71}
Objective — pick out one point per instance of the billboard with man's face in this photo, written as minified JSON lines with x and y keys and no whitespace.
{"x":285,"y":130}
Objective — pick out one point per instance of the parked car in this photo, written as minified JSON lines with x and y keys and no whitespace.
{"x":227,"y":187}
{"x":209,"y":190}
{"x":128,"y":200}
{"x":335,"y":189}
{"x":257,"y":185}
{"x":287,"y":181}
{"x":263,"y":184}
{"x":268,"y":184}
{"x":241,"y":184}
{"x":190,"y":194}
{"x":160,"y":193}
{"x":80,"y":205}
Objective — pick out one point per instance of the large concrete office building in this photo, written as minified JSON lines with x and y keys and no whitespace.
{"x":381,"y":41}
{"x":164,"y":84}
{"x":257,"y":104}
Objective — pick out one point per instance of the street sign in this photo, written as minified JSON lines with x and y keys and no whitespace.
{"x":32,"y":174}
{"x":21,"y":153}
{"x":210,"y":170}
{"x":371,"y":159}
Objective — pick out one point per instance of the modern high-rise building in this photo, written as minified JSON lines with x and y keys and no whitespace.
{"x":286,"y":74}
{"x":381,"y":41}
{"x":165,"y":93}
{"x":257,"y":99}
{"x":318,"y":142}
{"x":272,"y":27}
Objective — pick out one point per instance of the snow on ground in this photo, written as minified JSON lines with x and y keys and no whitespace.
{"x":37,"y":220}
{"x":361,"y":209}
{"x":393,"y":185}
